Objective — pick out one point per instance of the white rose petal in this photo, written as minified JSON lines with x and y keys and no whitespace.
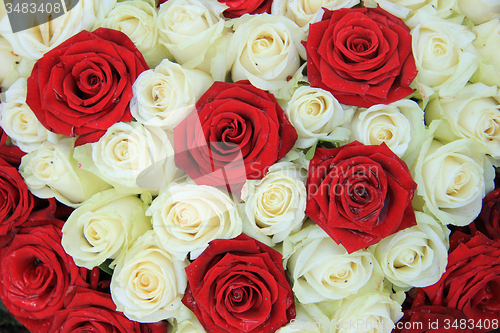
{"x":488,"y":46}
{"x":51,"y":171}
{"x":148,"y":282}
{"x":163,"y":97}
{"x":322,"y":270}
{"x":414,"y":257}
{"x":404,"y":8}
{"x":104,"y":226}
{"x":480,"y":11}
{"x":187,"y":217}
{"x":317,"y":115}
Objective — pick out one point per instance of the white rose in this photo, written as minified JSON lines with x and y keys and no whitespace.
{"x":103,"y":227}
{"x":148,"y":282}
{"x":317,"y":116}
{"x":163,"y":97}
{"x":189,"y":28}
{"x":444,"y":55}
{"x":20,"y":123}
{"x":309,"y":319}
{"x":33,"y":43}
{"x":404,"y":8}
{"x":51,"y":171}
{"x":265,"y":49}
{"x":9,"y":59}
{"x":137,"y":19}
{"x":452,"y":179}
{"x":414,"y":257}
{"x":322,"y":270}
{"x":186,"y":322}
{"x":400,"y":125}
{"x":309,"y":11}
{"x":488,"y":46}
{"x":473,"y":114}
{"x":131,"y":155}
{"x":370,"y":312}
{"x":187,"y":217}
{"x":480,"y":11}
{"x":275,"y":205}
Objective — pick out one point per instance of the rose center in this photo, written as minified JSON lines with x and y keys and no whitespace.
{"x":406,"y":258}
{"x":22,"y":122}
{"x":493,"y":129}
{"x":121,"y":150}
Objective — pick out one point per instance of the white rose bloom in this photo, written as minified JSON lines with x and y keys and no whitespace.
{"x":305,"y":12}
{"x":487,"y":44}
{"x":131,"y":155}
{"x":9,"y":59}
{"x":186,"y":322}
{"x":163,"y":97}
{"x":473,"y":114}
{"x":137,"y":19}
{"x":317,"y":115}
{"x":416,"y":256}
{"x":20,"y":123}
{"x":275,"y":205}
{"x":148,"y":282}
{"x":103,"y":227}
{"x":33,"y":43}
{"x":480,"y":11}
{"x":371,"y":312}
{"x":400,"y":125}
{"x":444,"y":55}
{"x":51,"y":171}
{"x":187,"y":217}
{"x":309,"y":319}
{"x":265,"y":49}
{"x":322,"y":270}
{"x":404,"y":8}
{"x":189,"y":28}
{"x":452,"y":179}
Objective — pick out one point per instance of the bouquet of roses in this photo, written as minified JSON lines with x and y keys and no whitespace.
{"x":250,"y":165}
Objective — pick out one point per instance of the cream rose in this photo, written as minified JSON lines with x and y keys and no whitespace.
{"x":414,"y":257}
{"x":452,"y":179}
{"x":265,"y":49}
{"x":33,"y":43}
{"x":103,"y":227}
{"x":317,"y":115}
{"x":275,"y":205}
{"x":473,"y":114}
{"x":186,"y":322}
{"x":9,"y":59}
{"x":137,"y":19}
{"x":187,"y":217}
{"x":163,"y":97}
{"x":20,"y":123}
{"x":480,"y":11}
{"x":322,"y":270}
{"x":189,"y":29}
{"x":131,"y":155}
{"x":403,"y":8}
{"x":309,"y":11}
{"x":148,"y":282}
{"x":400,"y":125}
{"x":488,"y":46}
{"x":370,"y":312}
{"x":444,"y":55}
{"x":51,"y":171}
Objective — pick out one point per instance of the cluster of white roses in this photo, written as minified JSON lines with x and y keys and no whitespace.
{"x":140,"y":215}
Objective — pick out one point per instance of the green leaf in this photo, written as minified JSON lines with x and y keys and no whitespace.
{"x":311,"y":151}
{"x":105,"y":266}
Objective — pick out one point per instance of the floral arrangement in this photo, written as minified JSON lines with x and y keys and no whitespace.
{"x":251,"y":166}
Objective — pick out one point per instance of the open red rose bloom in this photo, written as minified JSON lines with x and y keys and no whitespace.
{"x":84,"y":85}
{"x":239,"y":285}
{"x":363,"y":56}
{"x":359,"y":194}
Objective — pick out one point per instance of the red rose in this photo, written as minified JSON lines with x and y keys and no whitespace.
{"x":236,"y":132}
{"x":36,"y":274}
{"x":16,"y":201}
{"x":239,"y":285}
{"x":488,"y":221}
{"x":11,"y":154}
{"x":425,"y":317}
{"x":238,"y":8}
{"x":84,"y":85}
{"x":363,"y":56}
{"x":359,"y":194}
{"x":88,"y":310}
{"x":471,"y":282}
